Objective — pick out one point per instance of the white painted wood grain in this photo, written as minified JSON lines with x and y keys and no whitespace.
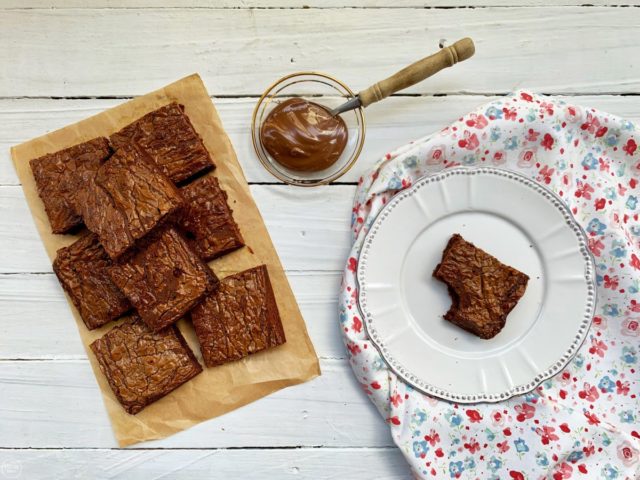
{"x":37,"y":321}
{"x":309,"y":227}
{"x":58,"y":404}
{"x":298,"y":464}
{"x":51,"y":52}
{"x":395,"y":122}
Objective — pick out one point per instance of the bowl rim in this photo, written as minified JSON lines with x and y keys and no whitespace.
{"x":306,"y":183}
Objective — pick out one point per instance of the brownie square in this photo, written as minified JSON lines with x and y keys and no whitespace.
{"x":168,"y":137}
{"x":142,"y":366}
{"x":483,"y":290}
{"x":163,"y":278}
{"x":58,"y":176}
{"x":207,"y":221}
{"x":126,"y":199}
{"x":240,"y":318}
{"x":82,"y":270}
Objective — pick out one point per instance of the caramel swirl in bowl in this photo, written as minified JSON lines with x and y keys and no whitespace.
{"x":303,"y":136}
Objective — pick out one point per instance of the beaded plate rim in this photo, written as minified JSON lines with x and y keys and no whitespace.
{"x":589,"y":276}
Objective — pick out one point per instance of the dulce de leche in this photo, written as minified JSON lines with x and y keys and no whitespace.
{"x":303,"y":136}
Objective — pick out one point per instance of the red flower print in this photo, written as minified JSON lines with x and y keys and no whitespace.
{"x":596,"y":246}
{"x":353,"y":348}
{"x":432,"y":438}
{"x":611,"y":282}
{"x":634,"y":306}
{"x":582,"y":468}
{"x":589,"y":450}
{"x":633,"y":183}
{"x":565,"y":428}
{"x":546,"y":434}
{"x":584,"y":190}
{"x":436,"y":156}
{"x":474,"y":416}
{"x":545,"y":174}
{"x":526,"y":97}
{"x":525,"y":411}
{"x":516,"y":475}
{"x":507,"y":432}
{"x":592,"y":418}
{"x":622,"y":388}
{"x":630,"y":147}
{"x":478,"y":121}
{"x":621,"y":190}
{"x":630,"y":327}
{"x":503,"y":446}
{"x":604,"y":165}
{"x":510,"y":113}
{"x":396,"y":399}
{"x":627,"y":453}
{"x":356,"y":326}
{"x":592,"y":125}
{"x":547,"y":142}
{"x":394,"y":420}
{"x":526,"y":158}
{"x":472,"y":446}
{"x":470,"y":141}
{"x":601,"y":131}
{"x":439,"y":453}
{"x":564,"y":471}
{"x":589,"y":393}
{"x":598,"y":347}
{"x":499,"y":157}
{"x":600,"y":203}
{"x":497,"y":418}
{"x":547,"y":108}
{"x":353,"y":264}
{"x":406,"y":183}
{"x":532,"y":135}
{"x":376,"y":386}
{"x":635,"y":261}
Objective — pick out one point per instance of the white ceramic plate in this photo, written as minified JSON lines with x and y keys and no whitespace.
{"x":511,"y":217}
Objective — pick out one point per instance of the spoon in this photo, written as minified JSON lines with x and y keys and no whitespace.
{"x":408,"y":76}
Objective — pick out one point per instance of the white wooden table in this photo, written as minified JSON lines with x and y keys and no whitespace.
{"x":63,"y":60}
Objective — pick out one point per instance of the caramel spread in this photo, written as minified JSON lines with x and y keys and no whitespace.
{"x":303,"y":136}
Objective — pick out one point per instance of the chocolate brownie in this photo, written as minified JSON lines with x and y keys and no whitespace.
{"x":163,"y":278}
{"x":82,"y":270}
{"x":483,"y":290}
{"x":126,"y":199}
{"x":167,"y":136}
{"x":142,"y":366}
{"x":58,"y":176}
{"x":207,"y":220}
{"x":240,"y":318}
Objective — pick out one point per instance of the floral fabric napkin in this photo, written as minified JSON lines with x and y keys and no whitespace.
{"x":584,"y":422}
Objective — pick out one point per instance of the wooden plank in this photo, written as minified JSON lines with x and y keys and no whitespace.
{"x":390,"y":124}
{"x":272,"y":464}
{"x":241,"y":51}
{"x":57,"y":404}
{"x":309,"y":227}
{"x":38,"y":322}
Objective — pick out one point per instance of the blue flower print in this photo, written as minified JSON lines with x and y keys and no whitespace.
{"x":469,"y":463}
{"x":629,"y":355}
{"x":627,"y":416}
{"x":606,"y":384}
{"x":531,"y":116}
{"x":609,"y":471}
{"x":343,"y":315}
{"x":421,"y":416}
{"x":511,"y":143}
{"x":494,"y":464}
{"x":590,"y":162}
{"x":531,"y":397}
{"x":490,"y":435}
{"x":541,"y":459}
{"x":575,"y":456}
{"x":610,"y":193}
{"x":493,"y":113}
{"x":453,"y":418}
{"x":606,"y":441}
{"x":420,"y":449}
{"x":410,"y":162}
{"x":469,"y":159}
{"x":627,"y":125}
{"x":455,"y":469}
{"x":596,"y":227}
{"x":495,"y":133}
{"x":378,"y":364}
{"x":632,"y":202}
{"x":579,"y":360}
{"x":618,"y":249}
{"x":521,"y":446}
{"x":394,"y":183}
{"x":611,"y":309}
{"x":612,"y":138}
{"x":599,"y":279}
{"x":635,"y":230}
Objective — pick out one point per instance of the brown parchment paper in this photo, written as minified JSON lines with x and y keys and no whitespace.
{"x":216,"y":390}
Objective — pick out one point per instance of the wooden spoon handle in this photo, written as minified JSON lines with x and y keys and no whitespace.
{"x":418,"y":71}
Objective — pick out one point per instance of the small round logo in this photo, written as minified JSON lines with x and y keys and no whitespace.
{"x":11,"y":468}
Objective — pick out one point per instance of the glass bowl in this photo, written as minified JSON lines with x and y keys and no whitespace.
{"x":327,"y":91}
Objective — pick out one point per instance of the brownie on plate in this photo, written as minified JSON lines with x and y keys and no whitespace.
{"x":127,"y":198}
{"x":163,"y":278}
{"x":207,"y":220}
{"x":240,"y":318}
{"x":483,"y":290}
{"x":58,"y":176}
{"x":82,"y":270}
{"x":142,"y":366}
{"x":167,"y":136}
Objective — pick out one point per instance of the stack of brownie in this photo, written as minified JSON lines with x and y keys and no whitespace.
{"x":152,"y":224}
